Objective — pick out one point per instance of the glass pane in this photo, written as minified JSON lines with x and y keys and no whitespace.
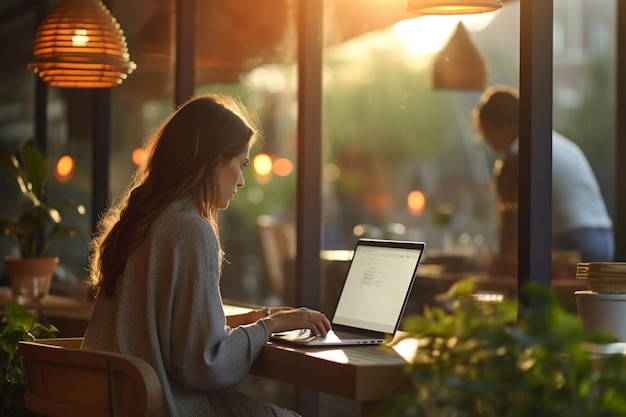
{"x":402,"y":157}
{"x":67,"y":145}
{"x":249,"y":52}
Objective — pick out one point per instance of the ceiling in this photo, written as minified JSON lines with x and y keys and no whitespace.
{"x":230,"y":39}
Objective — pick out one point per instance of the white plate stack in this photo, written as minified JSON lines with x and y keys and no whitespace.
{"x":603,"y":306}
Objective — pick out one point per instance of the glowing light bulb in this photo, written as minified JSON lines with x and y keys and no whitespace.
{"x":80,"y":38}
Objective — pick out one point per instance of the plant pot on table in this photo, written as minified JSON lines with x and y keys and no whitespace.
{"x":30,"y":278}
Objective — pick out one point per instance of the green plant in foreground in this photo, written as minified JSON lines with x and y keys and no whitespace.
{"x":16,"y":324}
{"x":37,"y":225}
{"x":485,"y":359}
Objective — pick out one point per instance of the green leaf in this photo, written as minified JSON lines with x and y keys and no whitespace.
{"x":35,"y":167}
{"x":459,"y":288}
{"x":17,"y":316}
{"x":17,"y":324}
{"x":11,"y":172}
{"x":39,"y":331}
{"x":36,"y":227}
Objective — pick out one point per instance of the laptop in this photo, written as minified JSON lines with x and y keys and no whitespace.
{"x":373,"y":298}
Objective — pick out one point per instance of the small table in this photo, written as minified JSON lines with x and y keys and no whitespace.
{"x":49,"y":303}
{"x":68,"y":314}
{"x":367,"y":374}
{"x":432,"y":280}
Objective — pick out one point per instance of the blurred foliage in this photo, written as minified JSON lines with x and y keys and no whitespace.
{"x":35,"y":225}
{"x":493,"y":359}
{"x":16,"y":324}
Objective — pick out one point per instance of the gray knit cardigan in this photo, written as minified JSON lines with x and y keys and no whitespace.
{"x":167,"y":309}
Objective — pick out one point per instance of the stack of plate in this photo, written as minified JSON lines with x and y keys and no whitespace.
{"x":603,"y":277}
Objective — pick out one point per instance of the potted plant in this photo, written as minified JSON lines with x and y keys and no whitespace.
{"x":35,"y":226}
{"x":484,"y":359}
{"x":16,"y":324}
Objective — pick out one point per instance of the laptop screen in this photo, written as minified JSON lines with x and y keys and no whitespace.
{"x":377,"y":286}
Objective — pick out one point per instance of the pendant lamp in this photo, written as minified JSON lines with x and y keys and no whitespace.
{"x":80,"y":45}
{"x":460,"y":65}
{"x":451,"y":7}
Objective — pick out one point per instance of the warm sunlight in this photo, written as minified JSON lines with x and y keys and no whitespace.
{"x":428,"y":34}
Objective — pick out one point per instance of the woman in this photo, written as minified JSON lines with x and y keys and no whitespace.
{"x":157,"y":263}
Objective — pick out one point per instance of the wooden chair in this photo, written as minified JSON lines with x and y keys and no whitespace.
{"x":63,"y":380}
{"x":278,"y":242}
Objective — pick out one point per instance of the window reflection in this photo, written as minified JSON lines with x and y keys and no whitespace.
{"x":394,"y":149}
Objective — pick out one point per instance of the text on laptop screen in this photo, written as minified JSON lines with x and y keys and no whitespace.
{"x":376,"y":288}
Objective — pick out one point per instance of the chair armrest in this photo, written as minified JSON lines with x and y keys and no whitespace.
{"x":68,"y":342}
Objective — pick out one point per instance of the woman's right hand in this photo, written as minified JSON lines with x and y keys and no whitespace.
{"x":298,"y":318}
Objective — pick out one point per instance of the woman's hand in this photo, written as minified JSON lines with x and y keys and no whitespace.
{"x":297,"y":318}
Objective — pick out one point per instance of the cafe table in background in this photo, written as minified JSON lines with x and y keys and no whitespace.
{"x":69,"y":314}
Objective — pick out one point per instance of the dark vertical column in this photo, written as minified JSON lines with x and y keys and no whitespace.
{"x":309,"y":192}
{"x":620,"y":154}
{"x":184,"y":75}
{"x":41,"y":119}
{"x":41,"y":96}
{"x":534,"y":253}
{"x":41,"y":90}
{"x":100,"y":153}
{"x":309,"y":152}
{"x":101,"y":148}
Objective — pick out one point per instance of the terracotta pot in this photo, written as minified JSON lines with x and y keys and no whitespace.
{"x":30,"y":278}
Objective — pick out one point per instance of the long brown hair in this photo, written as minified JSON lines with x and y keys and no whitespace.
{"x":184,"y":154}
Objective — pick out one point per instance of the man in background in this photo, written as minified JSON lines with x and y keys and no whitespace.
{"x":580,"y":220}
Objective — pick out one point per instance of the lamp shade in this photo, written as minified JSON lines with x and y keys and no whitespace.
{"x":80,"y":45}
{"x":460,"y":65}
{"x":451,"y":7}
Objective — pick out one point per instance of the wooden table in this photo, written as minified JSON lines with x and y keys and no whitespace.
{"x":432,"y":280}
{"x":51,"y":303}
{"x":68,"y":314}
{"x":367,"y":374}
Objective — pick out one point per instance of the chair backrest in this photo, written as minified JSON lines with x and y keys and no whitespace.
{"x":278,"y":242}
{"x":63,"y":380}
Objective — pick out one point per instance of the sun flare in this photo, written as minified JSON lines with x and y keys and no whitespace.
{"x":428,"y":34}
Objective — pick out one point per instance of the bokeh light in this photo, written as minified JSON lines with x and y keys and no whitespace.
{"x":282,"y":167}
{"x":255,"y":195}
{"x":331,"y":172}
{"x":262,"y":164}
{"x":416,"y":201}
{"x":139,"y":156}
{"x":64,"y":168}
